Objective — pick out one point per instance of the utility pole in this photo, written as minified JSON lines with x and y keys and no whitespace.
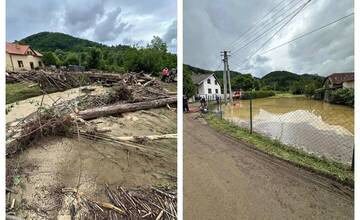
{"x":224,"y":53}
{"x":229,"y":79}
{"x":226,"y":76}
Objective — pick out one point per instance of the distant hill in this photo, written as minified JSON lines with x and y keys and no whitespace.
{"x":281,"y":80}
{"x":218,"y":73}
{"x":276,"y":80}
{"x":61,"y":49}
{"x":50,"y":41}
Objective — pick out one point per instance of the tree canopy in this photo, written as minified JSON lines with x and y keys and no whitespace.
{"x":62,"y":49}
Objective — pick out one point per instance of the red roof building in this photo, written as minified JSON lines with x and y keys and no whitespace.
{"x":22,"y":57}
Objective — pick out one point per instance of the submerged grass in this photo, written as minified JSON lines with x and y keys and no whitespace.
{"x":336,"y":170}
{"x":285,"y":95}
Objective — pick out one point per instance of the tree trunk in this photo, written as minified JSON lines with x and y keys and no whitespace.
{"x":121,"y":108}
{"x":149,"y":137}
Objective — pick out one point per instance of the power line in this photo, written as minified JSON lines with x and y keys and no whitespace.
{"x":254,"y":25}
{"x":269,"y":29}
{"x":271,"y":19}
{"x":267,"y":22}
{"x":308,"y":33}
{"x":263,"y":45}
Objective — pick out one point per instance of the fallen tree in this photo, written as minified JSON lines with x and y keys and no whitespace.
{"x":122,"y":108}
{"x":148,"y":137}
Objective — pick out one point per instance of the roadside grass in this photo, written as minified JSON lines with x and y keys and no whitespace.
{"x":19,"y":91}
{"x":323,"y":166}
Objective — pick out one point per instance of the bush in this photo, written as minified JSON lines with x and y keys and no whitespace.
{"x":342,"y":96}
{"x":50,"y":58}
{"x":257,"y":94}
{"x":189,"y":88}
{"x":319,"y":94}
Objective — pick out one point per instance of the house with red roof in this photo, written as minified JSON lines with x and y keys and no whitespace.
{"x":339,"y":80}
{"x":22,"y":57}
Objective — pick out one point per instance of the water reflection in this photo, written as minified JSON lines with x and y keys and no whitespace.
{"x":314,"y":126}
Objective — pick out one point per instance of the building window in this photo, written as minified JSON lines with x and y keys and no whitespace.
{"x":40,"y":64}
{"x":209,"y":81}
{"x":209,"y":91}
{"x":31,"y":65}
{"x":216,"y":91}
{"x":20,"y":63}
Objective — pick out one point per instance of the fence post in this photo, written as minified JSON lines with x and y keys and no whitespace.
{"x":250,"y":114}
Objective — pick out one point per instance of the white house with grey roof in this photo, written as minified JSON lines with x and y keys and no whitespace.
{"x":207,"y":85}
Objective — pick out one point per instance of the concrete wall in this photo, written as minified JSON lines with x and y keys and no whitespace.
{"x":13,"y":65}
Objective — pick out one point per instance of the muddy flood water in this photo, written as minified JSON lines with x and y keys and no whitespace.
{"x":316,"y":127}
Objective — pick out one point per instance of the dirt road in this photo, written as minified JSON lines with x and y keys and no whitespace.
{"x":225,"y":179}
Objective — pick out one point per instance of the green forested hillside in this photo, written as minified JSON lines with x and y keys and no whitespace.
{"x":61,"y":50}
{"x":277,"y":81}
{"x":51,"y":41}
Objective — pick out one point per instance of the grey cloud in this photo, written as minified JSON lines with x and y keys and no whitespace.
{"x":81,"y":15}
{"x":170,"y":37}
{"x":24,"y":18}
{"x":111,"y":26}
{"x":210,"y":26}
{"x":92,"y":19}
{"x":261,"y":59}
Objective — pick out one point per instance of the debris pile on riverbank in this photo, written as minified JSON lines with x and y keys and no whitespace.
{"x":82,"y":120}
{"x":70,"y":79}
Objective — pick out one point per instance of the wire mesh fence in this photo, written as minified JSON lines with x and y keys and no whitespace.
{"x":315,"y":127}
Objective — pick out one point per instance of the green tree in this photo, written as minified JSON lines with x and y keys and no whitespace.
{"x":158,"y":44}
{"x":71,"y":59}
{"x":189,"y":88}
{"x":244,"y":82}
{"x":50,"y":58}
{"x":94,"y":60}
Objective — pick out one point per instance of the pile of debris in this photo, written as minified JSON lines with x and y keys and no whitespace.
{"x":138,"y":203}
{"x":132,"y":93}
{"x":72,"y":118}
{"x":70,"y":79}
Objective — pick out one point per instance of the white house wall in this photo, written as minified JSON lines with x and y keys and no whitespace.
{"x":203,"y":88}
{"x":349,"y":85}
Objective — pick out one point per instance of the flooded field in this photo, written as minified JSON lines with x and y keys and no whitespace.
{"x":323,"y":129}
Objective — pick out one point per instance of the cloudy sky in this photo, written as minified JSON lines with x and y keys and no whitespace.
{"x":212,"y":26}
{"x":107,"y":21}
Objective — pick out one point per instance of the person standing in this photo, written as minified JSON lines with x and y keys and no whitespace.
{"x":185,"y":104}
{"x":165,"y":74}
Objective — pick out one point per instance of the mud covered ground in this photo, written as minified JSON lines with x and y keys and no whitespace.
{"x":40,"y":172}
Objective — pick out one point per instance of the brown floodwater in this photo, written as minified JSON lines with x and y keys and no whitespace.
{"x":317,"y":127}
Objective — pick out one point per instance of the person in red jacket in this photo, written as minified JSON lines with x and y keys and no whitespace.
{"x":165,"y":74}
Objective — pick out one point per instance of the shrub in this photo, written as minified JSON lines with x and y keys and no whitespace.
{"x":319,"y":94}
{"x":257,"y":94}
{"x":344,"y":96}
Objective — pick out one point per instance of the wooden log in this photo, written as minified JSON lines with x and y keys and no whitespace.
{"x":122,"y":108}
{"x":149,"y":137}
{"x":13,"y":217}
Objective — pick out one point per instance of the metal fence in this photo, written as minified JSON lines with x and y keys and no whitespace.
{"x":318,"y":128}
